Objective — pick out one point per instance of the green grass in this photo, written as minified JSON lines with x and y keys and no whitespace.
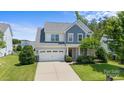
{"x":11,"y":71}
{"x":96,"y":71}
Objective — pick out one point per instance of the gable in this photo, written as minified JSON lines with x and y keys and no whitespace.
{"x":4,"y":27}
{"x":75,"y":29}
{"x":81,"y":25}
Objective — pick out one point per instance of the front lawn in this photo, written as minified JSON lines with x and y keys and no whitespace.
{"x":11,"y":70}
{"x":96,"y":71}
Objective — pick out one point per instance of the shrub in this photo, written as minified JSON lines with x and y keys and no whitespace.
{"x":121,"y":55}
{"x":101,"y":54}
{"x":14,"y":48}
{"x":27,"y":56}
{"x":85,"y":60}
{"x":79,"y":59}
{"x":68,"y":59}
{"x":112,"y":56}
{"x":19,"y":48}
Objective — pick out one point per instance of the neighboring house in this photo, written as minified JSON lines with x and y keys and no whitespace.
{"x":55,"y":40}
{"x":104,"y":43}
{"x":27,"y":42}
{"x":7,"y":38}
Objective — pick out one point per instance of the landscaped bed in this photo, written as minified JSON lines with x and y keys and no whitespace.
{"x":12,"y":71}
{"x":96,"y":71}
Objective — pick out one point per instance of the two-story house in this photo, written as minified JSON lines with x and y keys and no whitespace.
{"x":56,"y":39}
{"x":6,"y":30}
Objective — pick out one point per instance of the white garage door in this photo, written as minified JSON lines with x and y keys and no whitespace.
{"x":51,"y":55}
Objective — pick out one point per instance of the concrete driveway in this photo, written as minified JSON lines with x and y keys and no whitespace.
{"x":55,"y":71}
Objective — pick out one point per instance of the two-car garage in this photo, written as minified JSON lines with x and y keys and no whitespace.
{"x":51,"y":54}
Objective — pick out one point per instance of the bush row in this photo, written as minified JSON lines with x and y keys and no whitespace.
{"x":100,"y":53}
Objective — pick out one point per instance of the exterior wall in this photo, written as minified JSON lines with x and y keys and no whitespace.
{"x":2,"y":52}
{"x":8,"y":39}
{"x":61,"y":37}
{"x":48,"y":37}
{"x":75,"y":30}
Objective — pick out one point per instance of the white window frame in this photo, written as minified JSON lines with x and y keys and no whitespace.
{"x":78,"y":36}
{"x":55,"y":38}
{"x":72,"y":34}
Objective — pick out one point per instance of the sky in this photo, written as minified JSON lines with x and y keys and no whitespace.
{"x":24,"y":24}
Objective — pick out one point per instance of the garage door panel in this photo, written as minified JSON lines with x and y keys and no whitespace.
{"x":51,"y":54}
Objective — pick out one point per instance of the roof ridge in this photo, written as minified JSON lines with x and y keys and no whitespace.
{"x":59,"y":22}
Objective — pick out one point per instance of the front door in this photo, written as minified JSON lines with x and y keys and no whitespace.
{"x":72,"y":53}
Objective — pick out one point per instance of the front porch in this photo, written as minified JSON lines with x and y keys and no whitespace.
{"x":73,"y":52}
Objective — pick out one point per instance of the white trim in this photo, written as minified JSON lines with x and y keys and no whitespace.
{"x":71,"y":34}
{"x":79,"y":51}
{"x":78,"y":36}
{"x":77,"y":23}
{"x":67,"y":51}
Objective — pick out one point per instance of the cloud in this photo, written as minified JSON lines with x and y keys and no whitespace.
{"x":97,"y":14}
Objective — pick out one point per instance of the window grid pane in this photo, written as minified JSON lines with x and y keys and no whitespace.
{"x":54,"y":37}
{"x":70,"y":37}
{"x":80,"y":37}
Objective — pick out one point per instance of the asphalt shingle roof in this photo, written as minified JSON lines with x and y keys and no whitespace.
{"x":56,"y":26}
{"x":3,"y":27}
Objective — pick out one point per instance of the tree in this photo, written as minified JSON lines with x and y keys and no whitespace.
{"x":114,"y":29}
{"x":16,"y":41}
{"x":2,"y":43}
{"x":93,"y":25}
{"x":81,"y":18}
{"x":27,"y":56}
{"x":101,"y":54}
{"x":19,"y":48}
{"x":120,"y":39}
{"x":89,"y":45}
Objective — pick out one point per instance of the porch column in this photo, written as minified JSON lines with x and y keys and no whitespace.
{"x":67,"y":51}
{"x":79,"y":51}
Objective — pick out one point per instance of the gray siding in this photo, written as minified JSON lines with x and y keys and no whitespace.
{"x":42,"y":36}
{"x":75,"y":29}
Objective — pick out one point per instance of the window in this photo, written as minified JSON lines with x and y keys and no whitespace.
{"x":70,"y":37}
{"x":54,"y":37}
{"x":61,"y":51}
{"x":80,"y":36}
{"x":42,"y":51}
{"x":48,"y":51}
{"x":54,"y":51}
